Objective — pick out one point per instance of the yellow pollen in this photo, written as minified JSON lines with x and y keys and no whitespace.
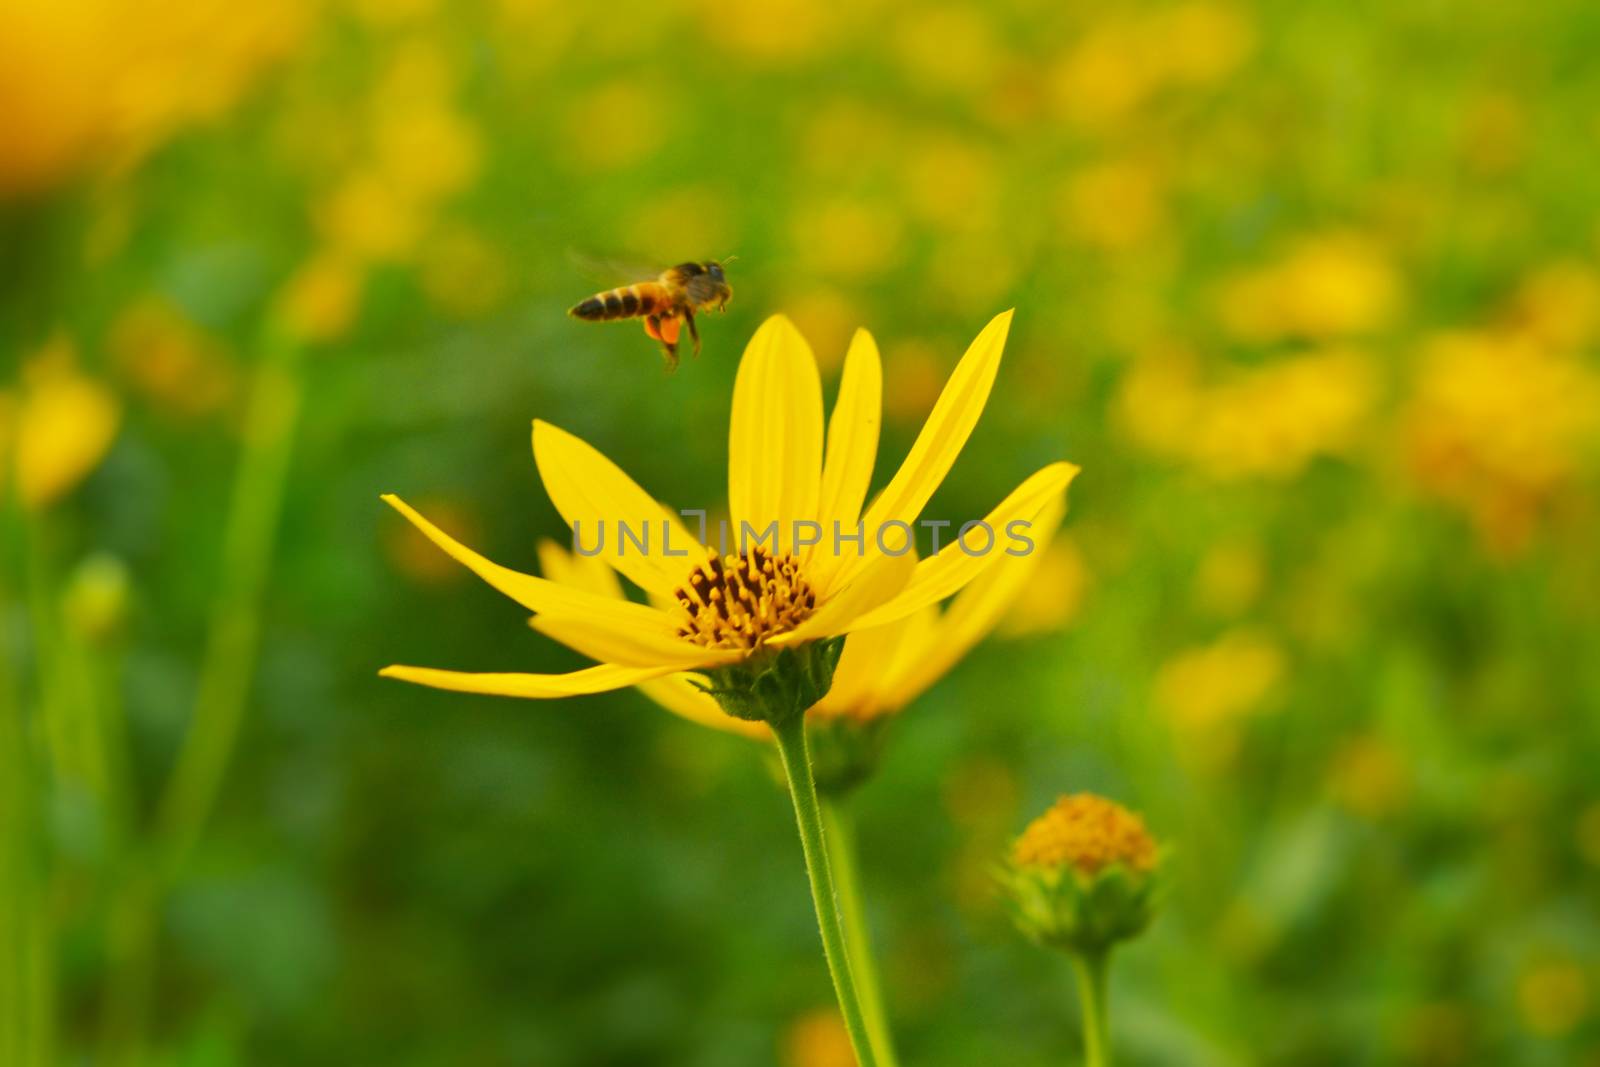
{"x":739,"y":601}
{"x":1088,"y":832}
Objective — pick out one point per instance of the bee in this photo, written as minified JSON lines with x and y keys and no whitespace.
{"x":665,"y":304}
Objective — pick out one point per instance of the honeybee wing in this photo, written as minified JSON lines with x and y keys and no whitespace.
{"x":608,"y":270}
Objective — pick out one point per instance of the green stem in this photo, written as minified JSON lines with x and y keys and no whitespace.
{"x":222,"y":695}
{"x":229,"y":664}
{"x":1091,"y":968}
{"x":841,"y":845}
{"x":28,"y":1014}
{"x":18,"y":910}
{"x":791,"y":744}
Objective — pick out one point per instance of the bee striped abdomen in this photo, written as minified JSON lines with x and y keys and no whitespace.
{"x":624,"y":303}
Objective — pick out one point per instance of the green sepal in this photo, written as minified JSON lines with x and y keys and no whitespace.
{"x":775,"y":685}
{"x":1066,"y":909}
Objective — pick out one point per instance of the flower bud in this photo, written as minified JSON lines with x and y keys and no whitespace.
{"x":1083,"y":876}
{"x":95,"y":601}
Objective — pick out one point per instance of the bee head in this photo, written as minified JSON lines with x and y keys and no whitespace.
{"x":714,"y":269}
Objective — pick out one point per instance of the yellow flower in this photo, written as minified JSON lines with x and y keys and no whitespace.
{"x":56,"y":428}
{"x":1113,"y":205}
{"x":1327,"y":285}
{"x":1269,"y":421}
{"x":1500,"y":427}
{"x":320,"y":301}
{"x":1369,"y":777}
{"x":1553,"y":998}
{"x":710,"y":611}
{"x":86,"y":82}
{"x":170,"y":359}
{"x":1217,"y":684}
{"x":818,"y":1039}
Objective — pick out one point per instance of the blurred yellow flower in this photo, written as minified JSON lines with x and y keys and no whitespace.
{"x":971,"y":271}
{"x":368,"y":217}
{"x":168,"y":358}
{"x":914,"y":365}
{"x":320,"y":301}
{"x":947,"y":48}
{"x":1054,"y":595}
{"x":429,"y":151}
{"x":1105,"y":75}
{"x":1498,"y":427}
{"x":417,"y":150}
{"x":757,"y":601}
{"x":952,"y":185}
{"x":1587,"y":834}
{"x":616,"y":125}
{"x":1229,"y":578}
{"x":1368,"y":777}
{"x":1124,"y":59}
{"x":95,"y":600}
{"x":414,"y":556}
{"x":847,"y":239}
{"x":829,"y":318}
{"x":1112,"y":205}
{"x":1553,"y":997}
{"x":1215,"y":685}
{"x":776,"y":32}
{"x":1494,"y":132}
{"x":1199,"y":42}
{"x":817,"y":1039}
{"x":1438,"y":1033}
{"x":846,"y":137}
{"x":1558,"y":305}
{"x":103,"y":82}
{"x":56,"y":425}
{"x":1328,"y":285}
{"x":418,"y":71}
{"x":392,"y":12}
{"x":1266,"y":422}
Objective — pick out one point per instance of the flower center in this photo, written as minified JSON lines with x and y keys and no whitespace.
{"x":1088,"y":832}
{"x":739,"y":601}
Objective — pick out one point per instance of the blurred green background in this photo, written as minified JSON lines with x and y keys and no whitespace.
{"x":1310,"y":290}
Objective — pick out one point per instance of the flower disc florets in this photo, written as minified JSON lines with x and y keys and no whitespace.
{"x":737,"y":601}
{"x":1089,"y":833}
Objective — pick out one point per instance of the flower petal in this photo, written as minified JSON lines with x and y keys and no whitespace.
{"x":942,"y":437}
{"x":953,"y":567}
{"x":539,"y":594}
{"x":775,"y":432}
{"x":858,"y":687}
{"x":677,"y":694}
{"x":852,"y":447}
{"x":598,"y":679}
{"x":632,"y":648}
{"x":595,"y":497}
{"x":578,"y":572}
{"x":920,"y":630}
{"x":972,"y":615}
{"x":876,"y":586}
